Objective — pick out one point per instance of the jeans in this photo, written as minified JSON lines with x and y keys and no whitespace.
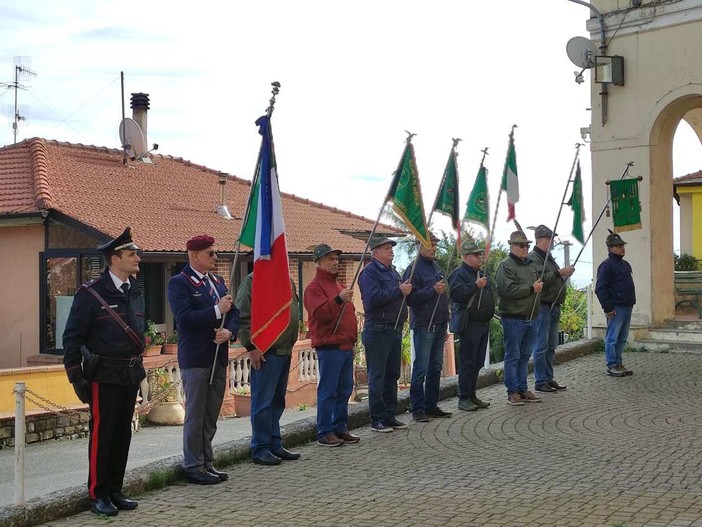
{"x":268,"y":387}
{"x":473,"y":346}
{"x":617,"y":334}
{"x":383,"y":346}
{"x":546,"y":342}
{"x":334,"y":390}
{"x":519,"y":336}
{"x":427,"y":365}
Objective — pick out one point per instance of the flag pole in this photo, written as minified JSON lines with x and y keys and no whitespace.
{"x":275,"y":89}
{"x":553,"y":231}
{"x":408,"y":140}
{"x":594,"y":226}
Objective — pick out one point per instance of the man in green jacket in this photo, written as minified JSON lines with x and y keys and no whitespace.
{"x":269,"y":380}
{"x":518,"y":285}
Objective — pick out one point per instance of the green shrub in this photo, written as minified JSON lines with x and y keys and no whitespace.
{"x":685,"y":262}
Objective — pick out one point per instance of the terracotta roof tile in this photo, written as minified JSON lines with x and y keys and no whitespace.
{"x":166,"y":202}
{"x":689,"y":179}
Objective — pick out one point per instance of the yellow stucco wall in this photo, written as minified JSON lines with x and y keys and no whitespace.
{"x":49,"y":382}
{"x":19,"y":308}
{"x":695,"y":217}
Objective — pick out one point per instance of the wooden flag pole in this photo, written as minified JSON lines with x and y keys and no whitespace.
{"x":553,"y":231}
{"x":254,"y":181}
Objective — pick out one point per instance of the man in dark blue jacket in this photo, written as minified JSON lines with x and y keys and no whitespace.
{"x":382,"y":292}
{"x":199,"y":301}
{"x":472,"y":312}
{"x":617,"y":295}
{"x":428,"y":303}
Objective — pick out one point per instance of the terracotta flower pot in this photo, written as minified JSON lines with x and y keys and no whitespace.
{"x":170,"y":349}
{"x":150,"y":351}
{"x":242,"y":405}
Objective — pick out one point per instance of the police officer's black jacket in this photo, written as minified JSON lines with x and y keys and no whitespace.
{"x":462,"y":284}
{"x":90,"y":325}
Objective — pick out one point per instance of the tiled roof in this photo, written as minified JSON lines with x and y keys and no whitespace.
{"x":690,"y":179}
{"x":165,"y":202}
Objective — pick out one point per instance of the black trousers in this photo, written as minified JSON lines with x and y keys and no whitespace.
{"x":110,"y":435}
{"x":473,"y":345}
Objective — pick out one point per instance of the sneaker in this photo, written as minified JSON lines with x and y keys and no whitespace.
{"x":420,"y":417}
{"x":330,"y":440}
{"x":395,"y":424}
{"x":546,"y":387}
{"x":347,"y":437}
{"x":437,"y":412}
{"x":513,"y":399}
{"x":616,"y":371}
{"x":480,"y":404}
{"x":529,"y":397}
{"x":557,"y":386}
{"x":625,"y":370}
{"x":467,"y":405}
{"x":380,"y":427}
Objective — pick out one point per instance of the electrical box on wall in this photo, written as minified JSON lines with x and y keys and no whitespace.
{"x":609,"y":70}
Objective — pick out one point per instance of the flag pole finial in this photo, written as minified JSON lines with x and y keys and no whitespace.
{"x":410,"y":135}
{"x":456,"y":140}
{"x":275,"y":90}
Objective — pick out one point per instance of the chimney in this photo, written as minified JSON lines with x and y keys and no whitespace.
{"x":140,"y":105}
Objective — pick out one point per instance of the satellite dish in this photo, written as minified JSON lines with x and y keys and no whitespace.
{"x":132,"y":138}
{"x":581,"y":52}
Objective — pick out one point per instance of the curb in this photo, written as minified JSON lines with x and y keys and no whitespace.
{"x":167,"y":471}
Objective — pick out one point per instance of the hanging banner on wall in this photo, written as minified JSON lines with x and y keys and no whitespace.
{"x":626,"y":207}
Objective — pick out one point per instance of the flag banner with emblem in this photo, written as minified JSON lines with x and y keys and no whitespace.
{"x":510,"y":182}
{"x":406,"y":196}
{"x":271,"y":296}
{"x":577,"y":206}
{"x":478,"y":206}
{"x":447,"y":196}
{"x":626,"y":208}
{"x":248,"y":231}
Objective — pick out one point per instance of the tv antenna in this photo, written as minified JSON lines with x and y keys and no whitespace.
{"x":22,"y":72}
{"x":581,"y":52}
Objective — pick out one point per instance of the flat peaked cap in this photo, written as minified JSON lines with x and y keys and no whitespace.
{"x":200,"y":242}
{"x":614,"y":239}
{"x":544,"y":232}
{"x":518,"y":237}
{"x":323,"y":249}
{"x":121,"y":242}
{"x":471,"y":247}
{"x":378,"y":239}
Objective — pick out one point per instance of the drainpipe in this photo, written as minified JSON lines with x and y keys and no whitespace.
{"x":603,"y":50}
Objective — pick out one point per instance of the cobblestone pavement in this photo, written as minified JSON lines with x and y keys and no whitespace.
{"x":607,"y":451}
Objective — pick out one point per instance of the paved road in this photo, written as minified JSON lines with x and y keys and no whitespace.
{"x":607,"y":451}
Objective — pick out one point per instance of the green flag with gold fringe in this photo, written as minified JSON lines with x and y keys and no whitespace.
{"x":626,"y":208}
{"x":406,"y":196}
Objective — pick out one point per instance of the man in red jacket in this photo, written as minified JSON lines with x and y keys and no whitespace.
{"x":324,"y":299}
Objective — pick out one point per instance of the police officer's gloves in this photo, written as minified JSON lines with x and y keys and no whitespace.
{"x":82,"y":388}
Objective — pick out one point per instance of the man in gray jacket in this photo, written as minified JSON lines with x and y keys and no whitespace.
{"x":518,"y":285}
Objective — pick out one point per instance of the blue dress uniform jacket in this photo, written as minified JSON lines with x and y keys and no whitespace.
{"x":90,"y":325}
{"x":381,"y":294}
{"x":463,"y":288}
{"x":423,"y":297}
{"x":615,"y":284}
{"x":196,"y":319}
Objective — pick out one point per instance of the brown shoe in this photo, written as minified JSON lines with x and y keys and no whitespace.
{"x":330,"y":440}
{"x":347,"y":437}
{"x":529,"y":397}
{"x":514,"y":399}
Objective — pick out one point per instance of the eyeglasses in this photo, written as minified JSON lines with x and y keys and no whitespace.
{"x":522,"y":245}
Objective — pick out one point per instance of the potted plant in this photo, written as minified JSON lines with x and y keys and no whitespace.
{"x":166,"y":409}
{"x":154,"y":340}
{"x":242,"y":400}
{"x":170,"y":347}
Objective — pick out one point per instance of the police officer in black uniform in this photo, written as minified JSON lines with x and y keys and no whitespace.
{"x":103,"y":363}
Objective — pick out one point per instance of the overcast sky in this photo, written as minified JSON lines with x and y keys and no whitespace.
{"x":354,"y":77}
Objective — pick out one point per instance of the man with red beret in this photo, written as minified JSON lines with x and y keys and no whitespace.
{"x":199,"y":301}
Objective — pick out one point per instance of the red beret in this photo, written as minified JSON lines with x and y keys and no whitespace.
{"x":199,"y":242}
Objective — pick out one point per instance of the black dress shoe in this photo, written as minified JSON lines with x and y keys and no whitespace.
{"x":557,"y":386}
{"x":545,"y":388}
{"x":223,"y":476}
{"x":437,"y":412}
{"x":122,"y":502}
{"x":285,"y":454}
{"x":201,"y":477}
{"x":104,"y":506}
{"x":267,"y":458}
